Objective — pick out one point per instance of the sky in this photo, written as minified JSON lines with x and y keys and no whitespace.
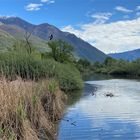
{"x":109,"y":25}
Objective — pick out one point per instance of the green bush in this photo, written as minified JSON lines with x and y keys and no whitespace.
{"x":69,"y":77}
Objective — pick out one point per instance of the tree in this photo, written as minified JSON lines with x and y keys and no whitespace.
{"x":61,"y":51}
{"x":84,"y":62}
{"x":110,"y":61}
{"x":97,"y":64}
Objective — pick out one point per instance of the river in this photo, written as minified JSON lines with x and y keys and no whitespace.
{"x":93,"y":116}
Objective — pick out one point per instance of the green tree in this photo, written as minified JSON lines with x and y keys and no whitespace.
{"x":61,"y":51}
{"x":97,"y":64}
{"x":84,"y":62}
{"x":110,"y":61}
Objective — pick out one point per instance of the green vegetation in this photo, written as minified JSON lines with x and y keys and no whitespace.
{"x":17,"y":61}
{"x":84,"y":66}
{"x":31,"y":100}
{"x":60,"y":51}
{"x":110,"y":67}
{"x":118,"y":67}
{"x":52,"y":87}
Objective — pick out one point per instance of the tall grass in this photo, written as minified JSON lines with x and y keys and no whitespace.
{"x":32,"y":104}
{"x":28,"y":110}
{"x":17,"y":62}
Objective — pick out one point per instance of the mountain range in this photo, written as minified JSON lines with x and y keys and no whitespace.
{"x":12,"y":28}
{"x":128,"y":55}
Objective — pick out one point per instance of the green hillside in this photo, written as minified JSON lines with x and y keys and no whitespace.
{"x":11,"y":33}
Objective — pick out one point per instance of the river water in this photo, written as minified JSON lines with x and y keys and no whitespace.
{"x":93,"y":116}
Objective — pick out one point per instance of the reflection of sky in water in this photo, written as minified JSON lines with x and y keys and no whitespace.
{"x":101,"y":118}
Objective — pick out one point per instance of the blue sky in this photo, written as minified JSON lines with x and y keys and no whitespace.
{"x":64,"y":12}
{"x":100,"y":22}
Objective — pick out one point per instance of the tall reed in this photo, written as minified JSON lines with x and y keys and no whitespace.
{"x":28,"y":110}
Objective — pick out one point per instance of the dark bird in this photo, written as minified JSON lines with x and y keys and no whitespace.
{"x":109,"y":94}
{"x":92,"y":93}
{"x":51,"y":37}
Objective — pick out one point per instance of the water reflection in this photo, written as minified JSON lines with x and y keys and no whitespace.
{"x":97,"y":77}
{"x":101,"y":118}
{"x":74,"y":97}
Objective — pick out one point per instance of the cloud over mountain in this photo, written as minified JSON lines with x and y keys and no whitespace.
{"x":112,"y":37}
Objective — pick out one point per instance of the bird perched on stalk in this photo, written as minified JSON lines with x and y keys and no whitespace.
{"x":51,"y":37}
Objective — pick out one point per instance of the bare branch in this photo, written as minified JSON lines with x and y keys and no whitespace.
{"x":27,"y":37}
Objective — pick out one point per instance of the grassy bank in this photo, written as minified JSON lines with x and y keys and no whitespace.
{"x":18,"y":62}
{"x":32,"y":105}
{"x":29,"y":110}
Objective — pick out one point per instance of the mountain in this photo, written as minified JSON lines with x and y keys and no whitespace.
{"x":129,"y":55}
{"x":15,"y":32}
{"x":16,"y":28}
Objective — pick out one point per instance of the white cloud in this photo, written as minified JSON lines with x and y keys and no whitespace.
{"x":138,"y":8}
{"x":48,"y":1}
{"x":33,"y":7}
{"x":101,"y":18}
{"x":36,"y":7}
{"x":123,"y":9}
{"x":112,"y":37}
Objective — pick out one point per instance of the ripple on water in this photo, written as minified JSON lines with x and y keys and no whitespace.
{"x":103,"y":118}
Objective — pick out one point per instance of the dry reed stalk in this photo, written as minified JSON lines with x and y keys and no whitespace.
{"x":26,"y":107}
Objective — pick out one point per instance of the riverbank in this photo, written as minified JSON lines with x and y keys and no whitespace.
{"x":32,"y":105}
{"x":30,"y":110}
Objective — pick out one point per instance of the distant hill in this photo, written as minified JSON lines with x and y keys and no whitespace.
{"x":129,"y":55}
{"x":16,"y":27}
{"x":5,"y":40}
{"x":16,"y":32}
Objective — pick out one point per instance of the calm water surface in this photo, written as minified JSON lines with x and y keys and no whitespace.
{"x":96,"y":117}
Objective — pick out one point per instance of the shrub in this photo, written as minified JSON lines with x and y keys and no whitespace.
{"x":61,"y":51}
{"x":69,"y":77}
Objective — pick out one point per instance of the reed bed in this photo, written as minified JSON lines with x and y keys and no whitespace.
{"x":29,"y":109}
